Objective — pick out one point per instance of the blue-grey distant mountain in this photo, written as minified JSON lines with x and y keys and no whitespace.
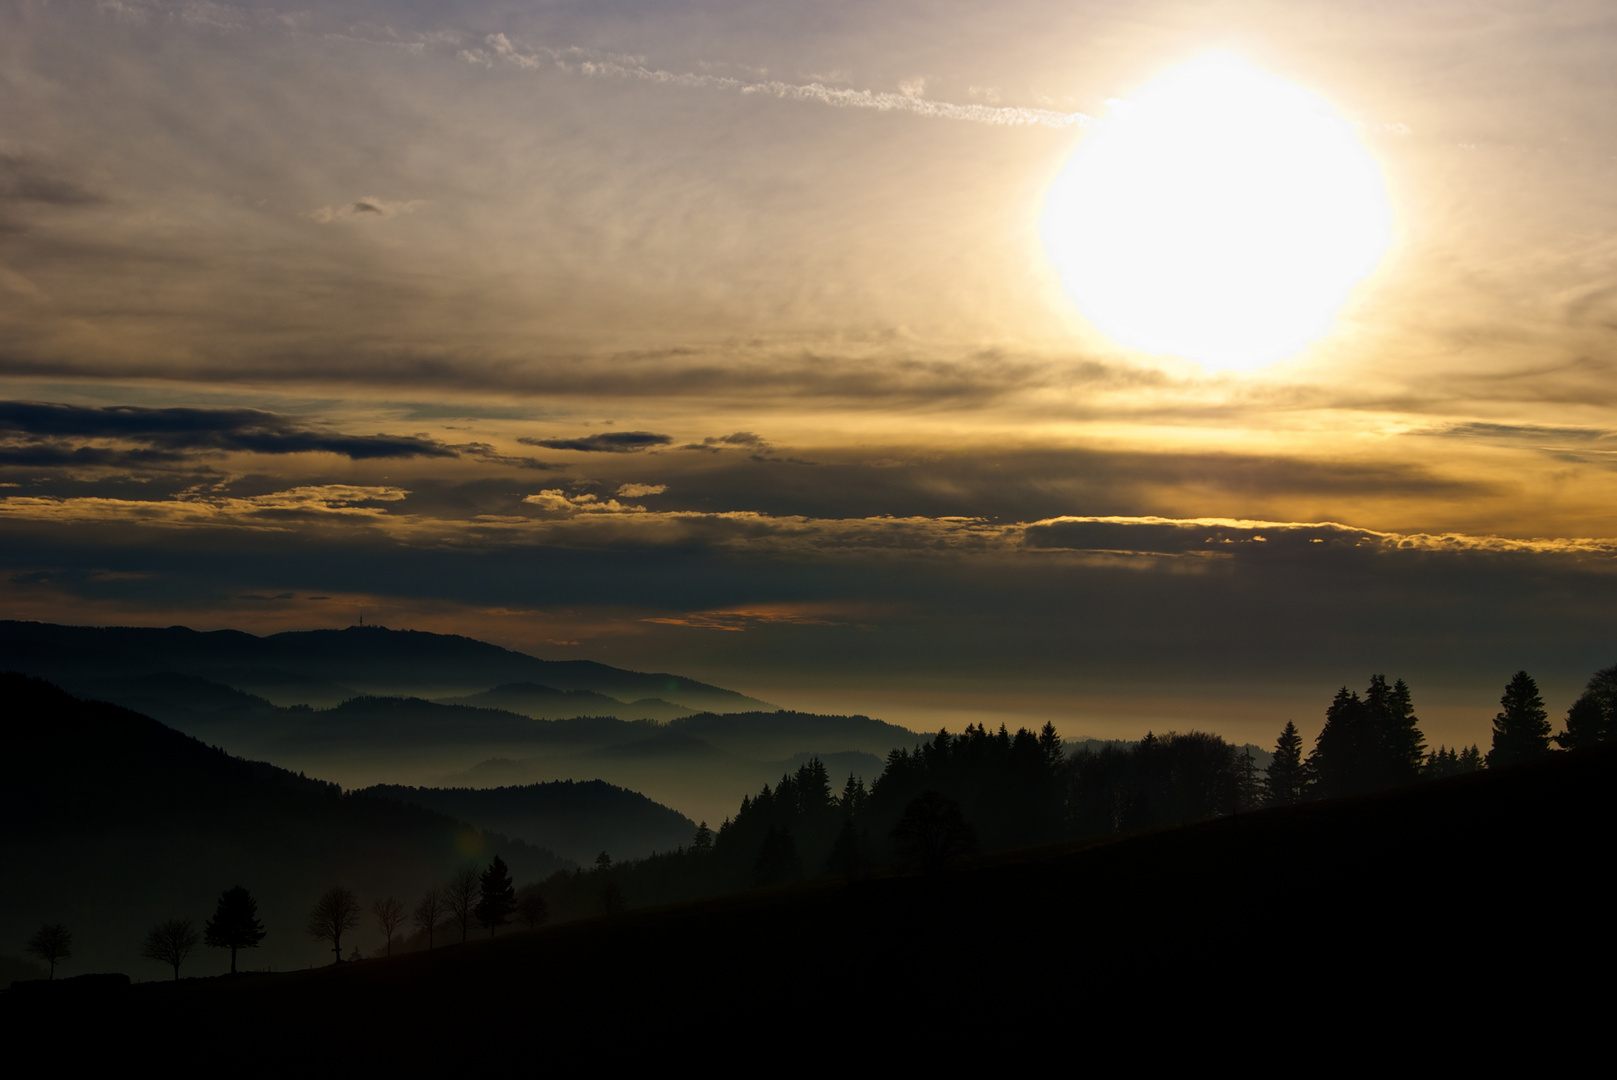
{"x":401,"y":707}
{"x":368,"y":659}
{"x":548,"y":703}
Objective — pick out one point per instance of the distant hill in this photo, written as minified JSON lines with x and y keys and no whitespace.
{"x":576,"y":819}
{"x":116,"y":822}
{"x":369,"y":659}
{"x":428,"y":709}
{"x":548,"y":703}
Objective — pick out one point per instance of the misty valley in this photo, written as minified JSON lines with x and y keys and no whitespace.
{"x":157,"y":792}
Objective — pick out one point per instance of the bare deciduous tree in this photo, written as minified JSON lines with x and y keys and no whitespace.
{"x":531,"y":907}
{"x":390,"y":916}
{"x":429,"y":912}
{"x":51,"y":943}
{"x":334,"y":914}
{"x":461,"y":896}
{"x":171,"y":942}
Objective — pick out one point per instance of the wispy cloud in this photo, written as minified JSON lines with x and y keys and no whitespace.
{"x":499,"y":48}
{"x":366,"y":208}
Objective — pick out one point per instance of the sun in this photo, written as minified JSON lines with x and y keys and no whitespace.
{"x":1220,"y":214}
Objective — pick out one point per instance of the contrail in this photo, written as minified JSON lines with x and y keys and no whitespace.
{"x":501,"y":48}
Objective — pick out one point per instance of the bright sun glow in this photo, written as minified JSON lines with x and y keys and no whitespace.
{"x":1221,"y":214}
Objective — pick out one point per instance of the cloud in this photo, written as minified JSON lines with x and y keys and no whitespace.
{"x":37,"y":431}
{"x":485,"y":452}
{"x":1536,"y":432}
{"x":368,"y":207}
{"x":736,"y":620}
{"x":635,"y":491}
{"x":908,"y":98}
{"x":277,"y":511}
{"x":740,"y":439}
{"x":22,"y":180}
{"x":607,"y":442}
{"x":557,"y":501}
{"x":1226,"y":536}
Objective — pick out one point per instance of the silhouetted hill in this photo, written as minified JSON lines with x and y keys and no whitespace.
{"x":1367,"y":921}
{"x":370,"y":659}
{"x":783,"y":732}
{"x":117,"y":822}
{"x":577,"y":820}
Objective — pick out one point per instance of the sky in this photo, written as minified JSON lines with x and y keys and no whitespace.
{"x":723,"y":338}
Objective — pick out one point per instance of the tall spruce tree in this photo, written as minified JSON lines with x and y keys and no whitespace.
{"x":1521,"y":730}
{"x":1397,"y":747}
{"x":1338,"y":763}
{"x":498,"y":899}
{"x":235,"y":924}
{"x":1286,"y":778}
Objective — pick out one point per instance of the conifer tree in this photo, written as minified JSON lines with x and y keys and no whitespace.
{"x":1521,"y":730}
{"x":235,"y":924}
{"x":1339,"y":760}
{"x":854,"y":797}
{"x":1050,"y":744}
{"x":1286,"y":777}
{"x":498,"y":897}
{"x":1369,"y":743}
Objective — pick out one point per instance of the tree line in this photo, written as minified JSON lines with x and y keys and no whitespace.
{"x":486,"y":898}
{"x":1373,"y":742}
{"x":987,"y":790}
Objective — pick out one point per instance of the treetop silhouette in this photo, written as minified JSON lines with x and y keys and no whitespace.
{"x":1521,"y":730}
{"x":497,"y":899}
{"x":235,"y":924}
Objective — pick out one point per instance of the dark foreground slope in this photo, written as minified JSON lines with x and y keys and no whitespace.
{"x":1448,"y":913}
{"x":111,"y":823}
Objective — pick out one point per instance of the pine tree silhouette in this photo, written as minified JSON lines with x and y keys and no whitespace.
{"x":499,"y":897}
{"x":234,"y":924}
{"x":1521,"y":730}
{"x":1286,"y":777}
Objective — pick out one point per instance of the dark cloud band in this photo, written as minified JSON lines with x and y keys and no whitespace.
{"x":46,"y":425}
{"x":607,"y":442}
